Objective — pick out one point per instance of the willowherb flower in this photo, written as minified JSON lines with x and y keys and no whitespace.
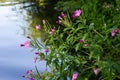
{"x":26,"y":44}
{"x":21,"y":45}
{"x":114,"y":32}
{"x":37,"y":53}
{"x":76,"y":13}
{"x":46,"y":51}
{"x":28,"y":37}
{"x":37,"y":27}
{"x":85,"y":45}
{"x":29,"y":71}
{"x":24,"y":76}
{"x":59,"y":17}
{"x":81,"y":41}
{"x":52,"y":31}
{"x":43,"y":21}
{"x":31,"y":78}
{"x":74,"y":76}
{"x":59,"y":21}
{"x":62,"y":14}
{"x":96,"y":71}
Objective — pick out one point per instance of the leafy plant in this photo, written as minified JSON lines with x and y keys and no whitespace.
{"x":84,"y":45}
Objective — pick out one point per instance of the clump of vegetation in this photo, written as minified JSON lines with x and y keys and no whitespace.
{"x":84,"y":45}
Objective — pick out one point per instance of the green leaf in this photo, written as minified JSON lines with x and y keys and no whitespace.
{"x":77,"y":47}
{"x":66,"y":29}
{"x":85,"y":36}
{"x":91,"y":26}
{"x":96,"y":51}
{"x":117,"y":67}
{"x":91,"y":55}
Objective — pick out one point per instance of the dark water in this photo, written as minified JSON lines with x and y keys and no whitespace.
{"x":14,"y":60}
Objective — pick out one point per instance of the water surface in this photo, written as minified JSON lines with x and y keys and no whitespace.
{"x":14,"y":59}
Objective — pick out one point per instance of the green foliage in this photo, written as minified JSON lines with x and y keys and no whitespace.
{"x":94,"y":10}
{"x":84,"y":43}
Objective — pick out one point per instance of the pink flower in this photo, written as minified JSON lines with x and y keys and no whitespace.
{"x":46,"y":50}
{"x":114,"y":32}
{"x":29,"y":71}
{"x":96,"y":71}
{"x":75,"y":75}
{"x":76,"y":13}
{"x":31,"y":78}
{"x":62,"y":14}
{"x":37,"y":27}
{"x":21,"y":45}
{"x":59,"y":17}
{"x":27,"y":44}
{"x":37,"y":53}
{"x":81,"y":41}
{"x":28,"y":37}
{"x":52,"y":31}
{"x":58,"y":21}
{"x":85,"y":45}
{"x":43,"y":21}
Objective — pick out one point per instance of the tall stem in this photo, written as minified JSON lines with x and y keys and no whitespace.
{"x":46,"y":63}
{"x":98,"y":33}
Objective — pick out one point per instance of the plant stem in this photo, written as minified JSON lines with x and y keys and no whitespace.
{"x":98,"y":33}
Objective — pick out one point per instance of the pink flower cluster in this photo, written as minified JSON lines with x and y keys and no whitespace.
{"x":60,"y":18}
{"x":114,"y":32}
{"x":38,"y":27}
{"x":74,"y":76}
{"x":29,"y":72}
{"x":82,"y":41}
{"x":37,"y":56}
{"x":76,"y":13}
{"x":52,"y":31}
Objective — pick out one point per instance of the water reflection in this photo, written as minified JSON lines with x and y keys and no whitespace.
{"x":14,"y":59}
